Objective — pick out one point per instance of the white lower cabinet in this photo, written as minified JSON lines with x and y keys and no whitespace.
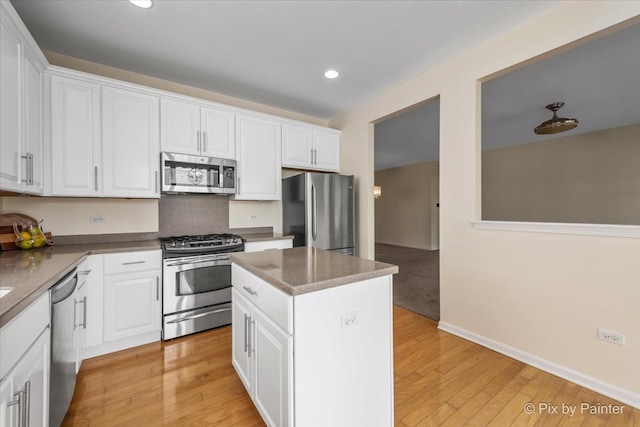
{"x":322,"y":358}
{"x":24,"y":367}
{"x":124,"y":307}
{"x":24,"y":392}
{"x":263,"y":357}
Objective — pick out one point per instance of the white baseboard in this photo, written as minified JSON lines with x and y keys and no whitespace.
{"x":121,"y":344}
{"x":612,"y":391}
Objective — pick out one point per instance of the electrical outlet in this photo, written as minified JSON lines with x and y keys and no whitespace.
{"x":97,"y":219}
{"x":253,"y":216}
{"x":614,"y":337}
{"x":349,"y":320}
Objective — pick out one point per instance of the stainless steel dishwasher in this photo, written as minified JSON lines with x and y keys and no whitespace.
{"x":63,"y":350}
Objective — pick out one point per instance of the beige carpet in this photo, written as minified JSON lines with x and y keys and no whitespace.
{"x":417,"y":286}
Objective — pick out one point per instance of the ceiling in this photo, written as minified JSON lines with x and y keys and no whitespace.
{"x":274,"y":52}
{"x":599,"y":82}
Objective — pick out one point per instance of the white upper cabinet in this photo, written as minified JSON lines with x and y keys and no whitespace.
{"x":310,"y":148}
{"x":198,"y":129}
{"x":76,"y":158}
{"x":258,"y":154}
{"x":21,"y":69}
{"x":131,"y":144}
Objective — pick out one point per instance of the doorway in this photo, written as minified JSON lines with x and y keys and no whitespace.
{"x":407,"y":172}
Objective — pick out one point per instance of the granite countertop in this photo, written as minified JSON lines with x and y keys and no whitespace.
{"x":305,"y":269}
{"x":30,"y":273}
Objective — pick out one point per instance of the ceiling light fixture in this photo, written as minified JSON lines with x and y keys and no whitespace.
{"x":145,"y":4}
{"x":331,"y":74}
{"x":555,"y":124}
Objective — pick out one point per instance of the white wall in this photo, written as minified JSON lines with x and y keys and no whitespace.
{"x":540,"y":295}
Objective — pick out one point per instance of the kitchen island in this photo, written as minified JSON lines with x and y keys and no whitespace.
{"x":313,"y":336}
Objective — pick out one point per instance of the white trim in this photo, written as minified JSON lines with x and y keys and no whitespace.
{"x":561,"y":228}
{"x":625,"y":396}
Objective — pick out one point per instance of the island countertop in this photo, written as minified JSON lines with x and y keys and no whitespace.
{"x":305,"y":269}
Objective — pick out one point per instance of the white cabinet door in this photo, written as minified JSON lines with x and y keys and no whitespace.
{"x":92,"y":270}
{"x":10,"y":106}
{"x":198,"y":129}
{"x":131,"y":304}
{"x":33,"y":127}
{"x":180,"y":126}
{"x":297,"y":147}
{"x":327,"y":151}
{"x":240,"y":339}
{"x":273,"y":375}
{"x":24,"y":391}
{"x":218,"y":133}
{"x":131,"y":143}
{"x":309,"y":148}
{"x":258,"y":152}
{"x":75,"y":138}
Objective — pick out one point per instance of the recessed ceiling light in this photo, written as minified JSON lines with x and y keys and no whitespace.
{"x":145,"y":4}
{"x":331,"y":74}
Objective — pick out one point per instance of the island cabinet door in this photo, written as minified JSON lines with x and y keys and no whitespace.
{"x":241,"y":324}
{"x":273,"y":376}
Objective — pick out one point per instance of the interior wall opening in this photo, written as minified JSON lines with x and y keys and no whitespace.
{"x":407,"y":192}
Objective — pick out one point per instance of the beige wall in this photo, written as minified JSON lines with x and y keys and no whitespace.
{"x":588,"y":178}
{"x":62,"y":221}
{"x":539,"y":294}
{"x":403,"y":213}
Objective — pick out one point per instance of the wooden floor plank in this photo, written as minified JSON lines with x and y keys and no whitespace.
{"x":440,"y":379}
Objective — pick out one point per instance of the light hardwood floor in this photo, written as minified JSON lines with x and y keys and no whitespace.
{"x":440,"y":379}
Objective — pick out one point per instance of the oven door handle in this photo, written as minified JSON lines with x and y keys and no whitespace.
{"x":214,"y":262}
{"x":195,"y":316}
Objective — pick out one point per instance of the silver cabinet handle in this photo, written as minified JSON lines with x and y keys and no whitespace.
{"x":198,"y":139}
{"x":23,"y":400}
{"x":251,"y":346}
{"x":238,"y":185}
{"x":250,"y":291}
{"x":133,"y":262}
{"x":157,"y":288}
{"x":156,"y":180}
{"x":246,"y":332}
{"x":204,"y":141}
{"x":95,"y":178}
{"x":84,"y":272}
{"x":311,"y":155}
{"x":28,"y":162}
{"x":75,"y":314}
{"x":196,"y":316}
{"x":315,"y":157}
{"x":84,"y":313}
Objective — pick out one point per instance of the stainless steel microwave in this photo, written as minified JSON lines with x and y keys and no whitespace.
{"x":184,"y":174}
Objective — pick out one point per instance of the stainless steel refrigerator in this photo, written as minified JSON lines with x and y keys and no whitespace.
{"x":318,"y":210}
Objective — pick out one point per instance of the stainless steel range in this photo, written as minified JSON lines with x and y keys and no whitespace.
{"x":197,"y":282}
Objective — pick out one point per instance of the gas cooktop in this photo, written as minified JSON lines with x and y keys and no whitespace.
{"x":201,"y":244}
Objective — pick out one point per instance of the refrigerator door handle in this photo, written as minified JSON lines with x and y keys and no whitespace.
{"x":314,"y":213}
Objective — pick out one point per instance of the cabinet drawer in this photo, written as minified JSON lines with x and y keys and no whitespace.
{"x":127,"y":262}
{"x":17,"y":336}
{"x":268,"y":244}
{"x":277,"y":305}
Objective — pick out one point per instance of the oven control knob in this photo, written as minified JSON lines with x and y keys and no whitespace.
{"x":183,"y":243}
{"x":173,"y":243}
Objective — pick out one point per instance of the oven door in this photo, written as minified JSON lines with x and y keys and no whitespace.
{"x":195,"y":282}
